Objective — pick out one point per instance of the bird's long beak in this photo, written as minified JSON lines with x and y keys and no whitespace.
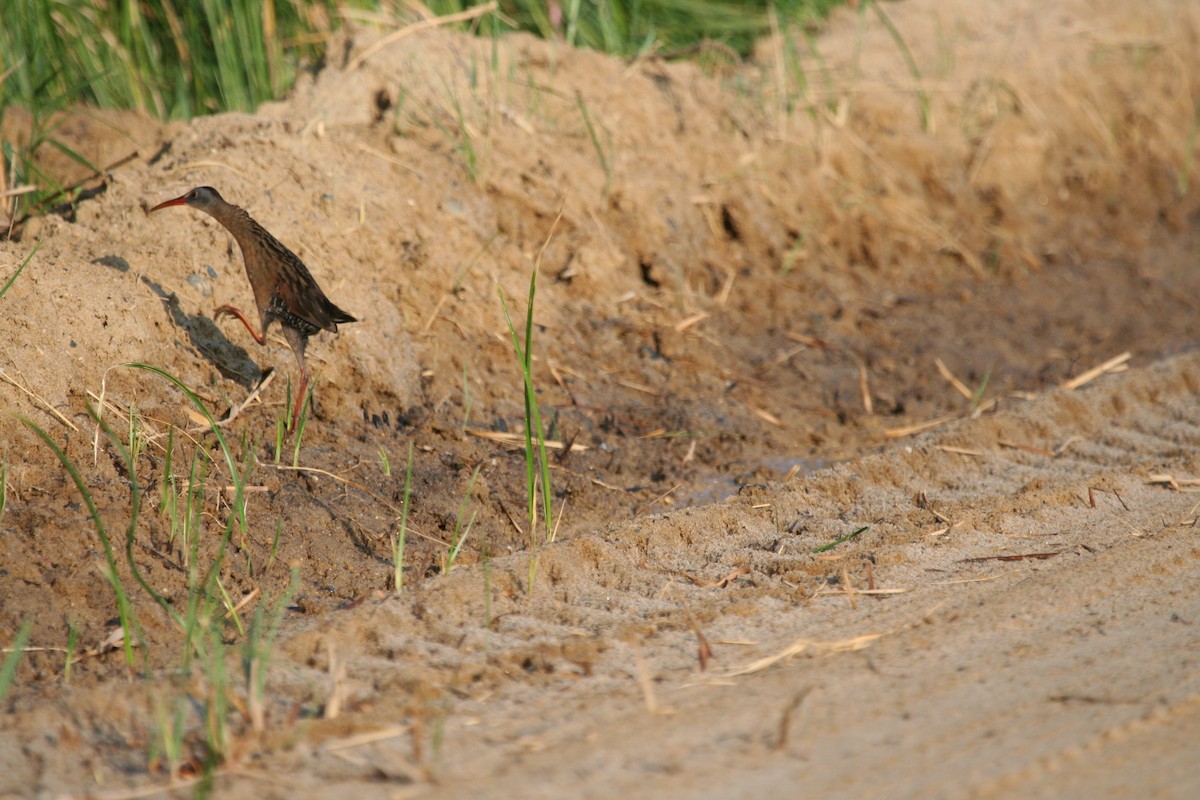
{"x":178,"y":201}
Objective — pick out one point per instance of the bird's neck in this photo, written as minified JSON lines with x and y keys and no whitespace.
{"x":234,"y":218}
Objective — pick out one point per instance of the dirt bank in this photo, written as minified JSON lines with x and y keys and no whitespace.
{"x":771,"y":312}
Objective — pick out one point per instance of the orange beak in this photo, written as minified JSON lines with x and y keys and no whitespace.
{"x":178,"y":201}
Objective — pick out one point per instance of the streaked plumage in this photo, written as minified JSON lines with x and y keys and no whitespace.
{"x":284,"y":289}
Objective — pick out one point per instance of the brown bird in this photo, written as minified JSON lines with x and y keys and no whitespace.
{"x":284,"y":289}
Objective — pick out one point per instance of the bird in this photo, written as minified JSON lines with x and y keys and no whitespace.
{"x":284,"y":289}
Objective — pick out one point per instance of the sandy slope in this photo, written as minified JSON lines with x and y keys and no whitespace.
{"x":738,"y":287}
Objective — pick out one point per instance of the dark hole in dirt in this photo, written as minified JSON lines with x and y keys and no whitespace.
{"x":647,"y":277}
{"x":730,"y":224}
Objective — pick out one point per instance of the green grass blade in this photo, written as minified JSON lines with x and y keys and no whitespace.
{"x":201,"y":592}
{"x":530,"y":473}
{"x":460,"y":532}
{"x":977,"y":397}
{"x":124,"y":608}
{"x":135,"y":507}
{"x":71,"y":154}
{"x":922,"y":95}
{"x":8,"y":672}
{"x":234,"y":473}
{"x":531,"y":408}
{"x":838,"y":541}
{"x":3,"y":489}
{"x":595,"y":137}
{"x":402,"y":534}
{"x":8,"y":284}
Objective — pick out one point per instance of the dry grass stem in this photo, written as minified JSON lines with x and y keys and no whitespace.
{"x":807,"y":341}
{"x":425,"y":24}
{"x":864,"y":389}
{"x":202,"y":423}
{"x":245,"y":601}
{"x":337,"y":693}
{"x":963,"y":451}
{"x":785,"y":719}
{"x":1175,"y":484}
{"x":810,"y":647}
{"x":788,"y":354}
{"x":660,"y":498}
{"x":765,"y":416}
{"x":984,"y":407}
{"x":518,"y":440}
{"x":391,"y":160}
{"x":736,"y":573}
{"x":433,"y":315}
{"x":850,"y":591}
{"x":945,"y":530}
{"x":39,"y":400}
{"x":726,"y":288}
{"x":1114,"y":364}
{"x":683,"y":325}
{"x":371,"y":737}
{"x":1028,"y":448}
{"x":920,"y":427}
{"x":983,"y":579}
{"x":638,"y":388}
{"x":646,"y":682}
{"x":958,"y":385}
{"x":1014,"y":557}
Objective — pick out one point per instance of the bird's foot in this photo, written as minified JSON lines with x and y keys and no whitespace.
{"x":230,"y":311}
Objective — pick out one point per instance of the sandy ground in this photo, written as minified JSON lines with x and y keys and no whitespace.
{"x":749,"y":275}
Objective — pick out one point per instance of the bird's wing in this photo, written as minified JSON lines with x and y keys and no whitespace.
{"x":296,"y":299}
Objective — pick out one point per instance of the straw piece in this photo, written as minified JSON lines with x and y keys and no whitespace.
{"x":958,"y":385}
{"x":920,"y":427}
{"x":1114,"y":364}
{"x":518,"y":439}
{"x":803,"y":646}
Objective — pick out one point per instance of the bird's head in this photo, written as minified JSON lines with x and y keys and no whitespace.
{"x":204,"y":198}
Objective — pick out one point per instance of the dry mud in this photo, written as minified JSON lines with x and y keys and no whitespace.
{"x":746,"y":287}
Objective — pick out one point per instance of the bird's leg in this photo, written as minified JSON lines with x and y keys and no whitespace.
{"x":301,"y":393}
{"x":237,"y":312}
{"x":298,"y":341}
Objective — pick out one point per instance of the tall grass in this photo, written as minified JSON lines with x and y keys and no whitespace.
{"x":31,"y":186}
{"x":170,"y":59}
{"x":923,"y":102}
{"x":537,"y":466}
{"x":177,"y":60}
{"x":195,"y":717}
{"x":256,"y":650}
{"x":628,"y":27}
{"x":125,"y":613}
